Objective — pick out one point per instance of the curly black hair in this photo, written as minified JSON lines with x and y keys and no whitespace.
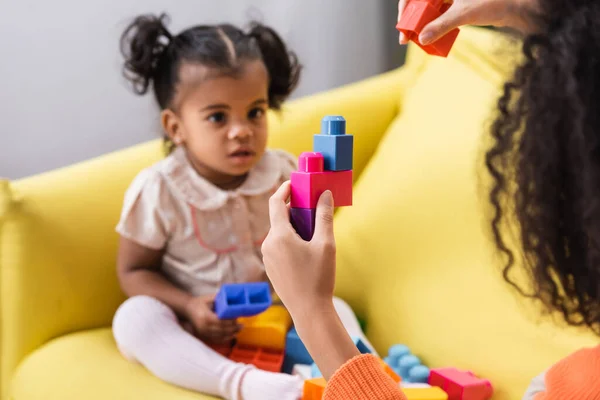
{"x":545,"y":162}
{"x":153,"y":56}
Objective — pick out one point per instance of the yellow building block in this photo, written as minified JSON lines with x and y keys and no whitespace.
{"x":430,"y":393}
{"x":267,"y":330}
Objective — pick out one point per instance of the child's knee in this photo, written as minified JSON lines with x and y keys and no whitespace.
{"x":136,"y":316}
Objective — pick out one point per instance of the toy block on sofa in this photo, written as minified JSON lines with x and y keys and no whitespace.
{"x":406,"y":364}
{"x":311,"y":180}
{"x":303,"y":221}
{"x":314,"y":389}
{"x":236,"y":300}
{"x":335,"y":145}
{"x":424,"y":393}
{"x":267,"y":330}
{"x":416,"y":15}
{"x":461,"y":385}
{"x":265,"y":359}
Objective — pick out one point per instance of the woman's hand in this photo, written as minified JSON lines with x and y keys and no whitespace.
{"x":302,"y":273}
{"x":207,"y":326}
{"x":499,"y":13}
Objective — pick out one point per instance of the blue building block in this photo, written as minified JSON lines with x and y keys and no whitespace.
{"x":236,"y":300}
{"x":407,"y":365}
{"x":295,"y":352}
{"x":335,"y":145}
{"x":360,"y":345}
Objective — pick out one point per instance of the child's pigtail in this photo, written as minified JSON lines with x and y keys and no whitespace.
{"x":282,"y":65}
{"x":142,"y":44}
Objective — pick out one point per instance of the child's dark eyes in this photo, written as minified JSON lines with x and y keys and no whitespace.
{"x":218,"y":117}
{"x":256,"y":113}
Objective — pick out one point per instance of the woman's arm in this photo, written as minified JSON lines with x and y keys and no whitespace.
{"x":303,"y":274}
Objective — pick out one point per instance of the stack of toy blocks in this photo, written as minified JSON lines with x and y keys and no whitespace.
{"x":416,"y":15}
{"x":261,"y":341}
{"x":406,"y":364}
{"x":328,"y":167}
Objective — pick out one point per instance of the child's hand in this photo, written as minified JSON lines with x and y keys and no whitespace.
{"x":302,"y":273}
{"x":207,"y":326}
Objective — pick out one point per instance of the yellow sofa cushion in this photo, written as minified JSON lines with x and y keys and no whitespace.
{"x":414,"y":256}
{"x":57,"y":239}
{"x":88,"y":366}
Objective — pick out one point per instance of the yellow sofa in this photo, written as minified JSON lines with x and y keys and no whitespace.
{"x":414,"y":257}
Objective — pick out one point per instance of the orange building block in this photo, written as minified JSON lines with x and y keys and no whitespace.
{"x":267,"y":330}
{"x":390,"y":372}
{"x":265,"y":359}
{"x":416,"y":15}
{"x":313,"y":389}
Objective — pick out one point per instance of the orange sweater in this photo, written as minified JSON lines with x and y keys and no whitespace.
{"x":576,"y":377}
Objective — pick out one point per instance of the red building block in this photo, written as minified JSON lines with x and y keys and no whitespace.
{"x":222,"y":349}
{"x":419,"y":13}
{"x":310,"y":181}
{"x":461,"y":385}
{"x":265,"y":359}
{"x":314,"y":389}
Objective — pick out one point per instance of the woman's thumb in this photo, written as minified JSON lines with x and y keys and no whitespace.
{"x":440,"y":26}
{"x":324,"y":216}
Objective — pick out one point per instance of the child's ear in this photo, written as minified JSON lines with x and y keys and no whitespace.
{"x":172,"y":126}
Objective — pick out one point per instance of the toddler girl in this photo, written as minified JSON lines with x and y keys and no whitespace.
{"x":197,"y":219}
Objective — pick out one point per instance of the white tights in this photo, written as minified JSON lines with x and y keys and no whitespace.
{"x":147,"y":331}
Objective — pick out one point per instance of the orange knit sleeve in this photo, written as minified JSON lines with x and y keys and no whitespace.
{"x":362,"y":378}
{"x":576,"y":377}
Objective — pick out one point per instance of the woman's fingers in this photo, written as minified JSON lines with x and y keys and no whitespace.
{"x":278,"y":210}
{"x":451,"y":19}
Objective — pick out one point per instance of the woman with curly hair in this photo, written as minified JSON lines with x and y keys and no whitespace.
{"x":545,"y":165}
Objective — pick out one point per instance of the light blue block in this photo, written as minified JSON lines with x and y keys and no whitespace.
{"x":406,"y":363}
{"x":418,"y":374}
{"x":396,"y":352}
{"x":315,"y":372}
{"x":336,"y":146}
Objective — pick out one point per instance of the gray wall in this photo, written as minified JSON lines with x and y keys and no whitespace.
{"x":62,"y":98}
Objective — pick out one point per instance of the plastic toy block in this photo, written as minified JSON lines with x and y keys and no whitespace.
{"x":295,"y":352}
{"x":267,"y":330}
{"x":236,"y":300}
{"x":265,"y":359}
{"x":310,"y":181}
{"x":416,"y":15}
{"x":388,"y":370}
{"x":313,"y":389}
{"x":425,"y":393}
{"x":303,"y":221}
{"x":407,"y":365}
{"x":335,"y":145}
{"x":301,"y":370}
{"x":222,"y":349}
{"x":461,"y":385}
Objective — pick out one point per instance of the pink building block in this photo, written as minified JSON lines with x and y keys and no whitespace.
{"x":310,"y":181}
{"x":461,"y":385}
